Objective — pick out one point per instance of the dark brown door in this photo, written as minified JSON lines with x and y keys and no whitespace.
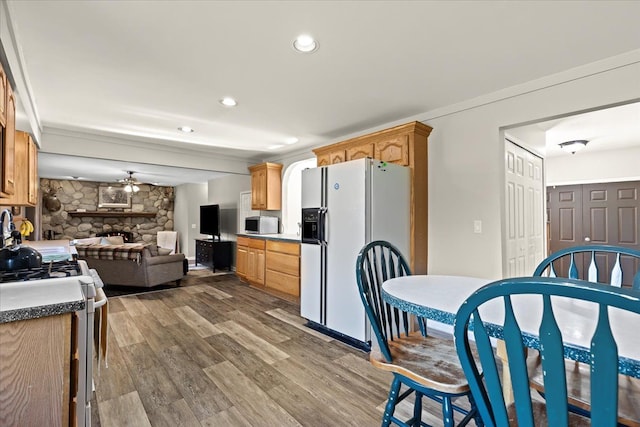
{"x":600,"y":214}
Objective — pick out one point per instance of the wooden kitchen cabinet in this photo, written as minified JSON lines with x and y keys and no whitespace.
{"x":283,"y":267}
{"x":3,"y":97}
{"x":404,"y":145}
{"x":36,"y":371}
{"x":273,"y":264}
{"x":242,"y":253}
{"x":359,"y":151}
{"x":266,"y":186}
{"x":26,"y":172}
{"x":256,"y":262}
{"x":7,"y":180}
{"x":331,"y":158}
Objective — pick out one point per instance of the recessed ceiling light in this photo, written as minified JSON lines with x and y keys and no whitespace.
{"x":185,"y":129}
{"x":305,"y":43}
{"x":227,"y":101}
{"x":291,"y":140}
{"x":274,"y":147}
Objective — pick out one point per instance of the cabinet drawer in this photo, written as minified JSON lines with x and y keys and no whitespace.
{"x":284,"y":247}
{"x":256,"y":243}
{"x":242,"y":241}
{"x":289,"y":264}
{"x":283,"y":283}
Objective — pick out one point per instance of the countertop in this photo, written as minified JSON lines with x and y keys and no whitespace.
{"x":285,"y":237}
{"x":40,"y":298}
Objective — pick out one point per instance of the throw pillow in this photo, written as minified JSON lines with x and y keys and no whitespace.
{"x":164,"y":251}
{"x":153,"y":249}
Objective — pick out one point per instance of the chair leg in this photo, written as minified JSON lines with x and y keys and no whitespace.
{"x":392,"y":401}
{"x":417,"y":409}
{"x":476,"y":414}
{"x":447,"y":412}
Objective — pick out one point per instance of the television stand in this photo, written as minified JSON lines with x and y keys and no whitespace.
{"x":213,"y":253}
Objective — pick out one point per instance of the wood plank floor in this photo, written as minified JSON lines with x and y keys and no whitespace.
{"x":217,"y":352}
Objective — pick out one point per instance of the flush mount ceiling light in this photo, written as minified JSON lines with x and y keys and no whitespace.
{"x":185,"y":129}
{"x":305,"y":43}
{"x":573,"y":146}
{"x":130,"y":184}
{"x":275,"y":147}
{"x":227,"y":101}
{"x":291,"y":140}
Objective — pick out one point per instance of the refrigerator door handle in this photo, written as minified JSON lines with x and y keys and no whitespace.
{"x":322,"y":232}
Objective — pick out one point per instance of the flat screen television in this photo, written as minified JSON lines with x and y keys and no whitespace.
{"x":210,"y":220}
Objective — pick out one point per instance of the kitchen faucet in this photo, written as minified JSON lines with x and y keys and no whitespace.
{"x":6,"y":233}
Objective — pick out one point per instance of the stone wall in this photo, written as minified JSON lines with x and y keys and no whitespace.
{"x":74,"y":195}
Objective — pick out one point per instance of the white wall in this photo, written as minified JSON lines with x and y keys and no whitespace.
{"x":599,"y":166}
{"x":225,"y":191}
{"x":188,"y":198}
{"x":466,"y":165}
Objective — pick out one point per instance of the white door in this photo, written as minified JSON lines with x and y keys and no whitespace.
{"x":245,"y":209}
{"x":346,"y":235}
{"x":524,"y":233}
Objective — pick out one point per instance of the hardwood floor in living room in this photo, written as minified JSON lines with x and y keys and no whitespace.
{"x":216,"y":352}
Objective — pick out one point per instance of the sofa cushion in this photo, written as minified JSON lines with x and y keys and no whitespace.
{"x":87,"y":241}
{"x":112,"y":240}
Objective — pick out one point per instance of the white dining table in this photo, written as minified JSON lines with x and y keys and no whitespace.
{"x":439,"y":297}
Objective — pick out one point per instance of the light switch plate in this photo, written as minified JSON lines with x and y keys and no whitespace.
{"x":477,"y":226}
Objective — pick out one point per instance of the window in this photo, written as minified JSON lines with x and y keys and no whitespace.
{"x":291,"y":191}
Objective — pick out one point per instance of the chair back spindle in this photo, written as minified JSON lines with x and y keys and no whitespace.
{"x":377,"y":262}
{"x":624,"y":264}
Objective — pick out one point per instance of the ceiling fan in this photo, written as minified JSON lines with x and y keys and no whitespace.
{"x":130,"y":184}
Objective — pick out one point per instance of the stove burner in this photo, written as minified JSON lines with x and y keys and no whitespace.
{"x":46,"y":271}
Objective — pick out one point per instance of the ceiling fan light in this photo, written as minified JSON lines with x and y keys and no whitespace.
{"x":573,"y":146}
{"x":128,"y":188}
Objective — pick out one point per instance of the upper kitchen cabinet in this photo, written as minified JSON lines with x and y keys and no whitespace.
{"x":266,"y":186}
{"x":7,"y":179}
{"x":26,"y":172}
{"x":404,"y":145}
{"x":3,"y":97}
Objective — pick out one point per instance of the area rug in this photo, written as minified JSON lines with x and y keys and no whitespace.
{"x":193,"y":277}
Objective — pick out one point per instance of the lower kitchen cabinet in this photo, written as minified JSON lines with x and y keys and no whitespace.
{"x":36,"y":367}
{"x":272,"y":264}
{"x":256,"y":261}
{"x":283,"y":267}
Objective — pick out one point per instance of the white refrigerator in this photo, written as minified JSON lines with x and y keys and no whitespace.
{"x":344,"y":207}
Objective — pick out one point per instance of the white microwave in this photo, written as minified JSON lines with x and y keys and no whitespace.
{"x":261,"y":224}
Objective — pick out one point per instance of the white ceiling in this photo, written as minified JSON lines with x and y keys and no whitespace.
{"x":143,"y":68}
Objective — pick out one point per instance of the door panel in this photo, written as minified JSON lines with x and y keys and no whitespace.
{"x":605,"y":213}
{"x":524,"y":211}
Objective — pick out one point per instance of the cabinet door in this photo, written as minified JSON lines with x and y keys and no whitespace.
{"x":241,"y":261}
{"x":394,"y":150}
{"x":323,"y":160}
{"x":259,"y":189}
{"x":3,"y":97}
{"x":32,"y":197}
{"x":337,"y":156}
{"x":260,"y":263}
{"x":8,"y":147}
{"x":360,"y":151}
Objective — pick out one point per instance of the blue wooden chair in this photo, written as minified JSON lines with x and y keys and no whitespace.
{"x":427,"y":366}
{"x":525,"y":411}
{"x":615,"y":265}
